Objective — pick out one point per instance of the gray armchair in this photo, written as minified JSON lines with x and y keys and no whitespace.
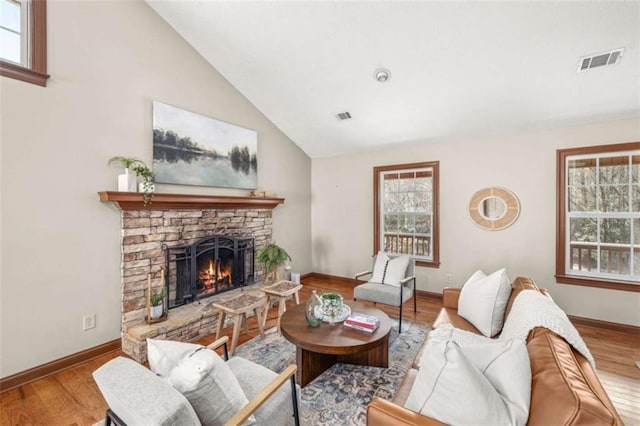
{"x":388,"y":294}
{"x":136,"y":396}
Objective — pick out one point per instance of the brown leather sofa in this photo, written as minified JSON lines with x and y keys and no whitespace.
{"x":564,"y":390}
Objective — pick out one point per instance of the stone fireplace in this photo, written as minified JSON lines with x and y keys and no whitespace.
{"x":215,"y":236}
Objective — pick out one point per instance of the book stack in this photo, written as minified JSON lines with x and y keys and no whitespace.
{"x":363,"y":322}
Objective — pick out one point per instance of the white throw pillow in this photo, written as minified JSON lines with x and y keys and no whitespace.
{"x":493,"y":380}
{"x":201,"y":376}
{"x":389,"y":271}
{"x":483,"y":302}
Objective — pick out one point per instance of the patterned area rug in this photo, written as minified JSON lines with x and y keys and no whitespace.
{"x":340,"y":395}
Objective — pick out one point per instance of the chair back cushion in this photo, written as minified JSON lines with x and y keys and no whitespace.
{"x":140,"y":397}
{"x":389,"y":271}
{"x":201,"y":376}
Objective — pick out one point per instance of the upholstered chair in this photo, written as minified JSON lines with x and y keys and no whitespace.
{"x":392,"y":282}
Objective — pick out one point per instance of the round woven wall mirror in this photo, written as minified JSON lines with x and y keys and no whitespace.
{"x":494,"y":208}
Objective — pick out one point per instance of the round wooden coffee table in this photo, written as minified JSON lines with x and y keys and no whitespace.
{"x":318,"y":348}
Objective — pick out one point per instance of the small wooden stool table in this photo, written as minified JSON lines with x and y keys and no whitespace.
{"x":239,"y":306}
{"x":280,"y":291}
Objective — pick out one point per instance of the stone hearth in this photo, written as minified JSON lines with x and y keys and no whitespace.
{"x":144,"y":230}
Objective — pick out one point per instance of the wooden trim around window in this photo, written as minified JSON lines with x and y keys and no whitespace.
{"x":561,"y":276}
{"x":435,"y":165}
{"x":37,"y":72}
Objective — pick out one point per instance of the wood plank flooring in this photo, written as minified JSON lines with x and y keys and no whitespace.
{"x":71,"y":397}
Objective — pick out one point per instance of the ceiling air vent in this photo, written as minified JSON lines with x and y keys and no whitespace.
{"x":600,"y":60}
{"x":343,"y":116}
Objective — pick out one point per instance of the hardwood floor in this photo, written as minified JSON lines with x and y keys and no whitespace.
{"x":71,"y":397}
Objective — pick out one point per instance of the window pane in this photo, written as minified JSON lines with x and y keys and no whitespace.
{"x":614,"y":260}
{"x":406,"y":202}
{"x":636,"y":262}
{"x":635,"y":168}
{"x":406,"y":223}
{"x":614,"y":170}
{"x":9,"y":46}
{"x":615,"y":231}
{"x":391,"y":183}
{"x":614,"y":198}
{"x":423,"y":202}
{"x":582,"y":172}
{"x":423,"y":224}
{"x":391,"y":243}
{"x":582,"y":199}
{"x":583,"y":229}
{"x":391,"y":203}
{"x":390,"y":223}
{"x":406,"y":182}
{"x":10,"y":15}
{"x":636,"y":232}
{"x":635,"y":198}
{"x":584,"y":257}
{"x":423,"y":184}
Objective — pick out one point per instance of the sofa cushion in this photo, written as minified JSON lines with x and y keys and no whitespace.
{"x":564,"y":384}
{"x":140,"y":397}
{"x":449,"y":379}
{"x":483,"y":301}
{"x":387,"y":294}
{"x":201,"y":376}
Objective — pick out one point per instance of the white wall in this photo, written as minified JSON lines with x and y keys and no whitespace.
{"x":60,"y":245}
{"x":342,"y":212}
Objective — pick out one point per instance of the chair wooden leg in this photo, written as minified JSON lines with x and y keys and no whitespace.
{"x":237,"y":323}
{"x":296,"y":297}
{"x":220,"y":324}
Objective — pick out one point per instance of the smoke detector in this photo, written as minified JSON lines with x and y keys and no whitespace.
{"x":600,"y":59}
{"x":382,"y":75}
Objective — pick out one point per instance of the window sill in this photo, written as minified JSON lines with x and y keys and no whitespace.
{"x":600,"y":283}
{"x":18,"y":72}
{"x":428,"y":264}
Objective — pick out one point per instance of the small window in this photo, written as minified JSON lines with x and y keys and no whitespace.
{"x":406,"y":211}
{"x":23,"y":41}
{"x":599,"y":216}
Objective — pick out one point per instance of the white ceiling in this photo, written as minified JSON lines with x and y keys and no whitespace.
{"x":458,"y":68}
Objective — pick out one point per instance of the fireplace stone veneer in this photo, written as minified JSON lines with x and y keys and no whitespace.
{"x":143,"y":234}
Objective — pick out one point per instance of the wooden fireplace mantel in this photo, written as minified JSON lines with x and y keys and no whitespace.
{"x":134,"y":201}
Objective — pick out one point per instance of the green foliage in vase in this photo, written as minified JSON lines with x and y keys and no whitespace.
{"x":141,"y":170}
{"x":271,"y":257}
{"x":157,"y":298}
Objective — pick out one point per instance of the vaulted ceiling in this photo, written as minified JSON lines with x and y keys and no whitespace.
{"x":457,"y":68}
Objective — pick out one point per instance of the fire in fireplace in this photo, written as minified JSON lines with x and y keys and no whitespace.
{"x":210,"y":266}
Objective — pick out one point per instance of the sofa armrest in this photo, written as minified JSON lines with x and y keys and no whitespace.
{"x":382,"y":412}
{"x":450,"y":297}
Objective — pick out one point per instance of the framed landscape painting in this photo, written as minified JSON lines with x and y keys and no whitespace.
{"x":191,"y":149}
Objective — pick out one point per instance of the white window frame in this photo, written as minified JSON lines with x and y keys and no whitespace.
{"x":432,"y":260}
{"x":583,"y":277}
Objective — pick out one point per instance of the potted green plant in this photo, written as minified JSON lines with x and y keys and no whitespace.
{"x":134,"y":168}
{"x":272,"y":257}
{"x":157,"y":304}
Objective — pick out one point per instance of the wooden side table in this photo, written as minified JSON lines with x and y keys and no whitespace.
{"x":239,"y":307}
{"x":280,"y":291}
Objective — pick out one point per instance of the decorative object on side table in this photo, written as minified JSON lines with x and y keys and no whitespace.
{"x":313,"y":304}
{"x":156,"y":303}
{"x":333,"y":309}
{"x":272,"y":257}
{"x":128,"y":182}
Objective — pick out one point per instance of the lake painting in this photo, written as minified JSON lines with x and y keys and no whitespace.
{"x":191,"y":149}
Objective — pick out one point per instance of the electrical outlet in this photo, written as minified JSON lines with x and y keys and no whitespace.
{"x":448,"y":278}
{"x":88,"y":322}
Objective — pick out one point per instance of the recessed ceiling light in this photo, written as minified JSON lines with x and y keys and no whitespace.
{"x":382,"y":75}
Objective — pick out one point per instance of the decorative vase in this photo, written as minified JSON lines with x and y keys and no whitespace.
{"x":332,"y":306}
{"x":128,"y":181}
{"x":310,"y":310}
{"x":156,"y":311}
{"x":144,"y":185}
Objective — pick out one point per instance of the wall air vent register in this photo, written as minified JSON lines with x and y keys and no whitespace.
{"x":600,"y":59}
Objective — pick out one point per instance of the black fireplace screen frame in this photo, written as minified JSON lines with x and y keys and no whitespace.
{"x":181,"y":264}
